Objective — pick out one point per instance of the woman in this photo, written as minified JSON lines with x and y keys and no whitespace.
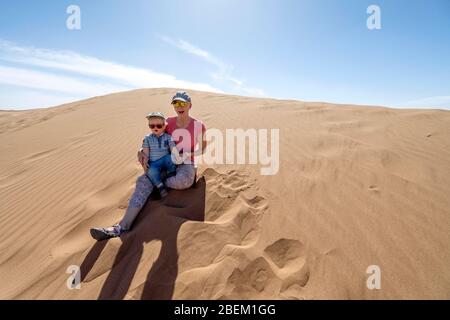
{"x":188,"y":133}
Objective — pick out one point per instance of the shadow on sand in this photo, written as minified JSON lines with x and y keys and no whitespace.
{"x":158,"y":220}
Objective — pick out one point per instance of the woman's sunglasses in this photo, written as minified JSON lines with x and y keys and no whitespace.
{"x":179,"y":104}
{"x":152,"y":126}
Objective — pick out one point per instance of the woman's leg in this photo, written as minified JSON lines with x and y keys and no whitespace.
{"x":137,"y":201}
{"x":184,"y":178}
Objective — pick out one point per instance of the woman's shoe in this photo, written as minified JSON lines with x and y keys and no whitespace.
{"x":100,"y":234}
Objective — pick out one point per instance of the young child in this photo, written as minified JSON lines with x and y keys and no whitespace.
{"x":161,"y":151}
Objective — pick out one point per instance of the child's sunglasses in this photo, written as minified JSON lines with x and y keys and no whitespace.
{"x":152,"y":126}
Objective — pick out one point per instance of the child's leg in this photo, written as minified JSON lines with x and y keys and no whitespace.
{"x":170,"y":167}
{"x":154,"y":172}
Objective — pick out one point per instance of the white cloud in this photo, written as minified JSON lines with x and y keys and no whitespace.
{"x":224,"y":70}
{"x":105,"y":76}
{"x":196,"y":51}
{"x":91,"y":66}
{"x":23,"y":98}
{"x":46,"y":81}
{"x":183,"y":45}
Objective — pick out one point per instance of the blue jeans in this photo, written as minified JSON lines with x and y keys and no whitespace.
{"x":155,"y":168}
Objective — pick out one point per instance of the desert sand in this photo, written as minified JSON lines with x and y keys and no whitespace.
{"x":357,"y":186}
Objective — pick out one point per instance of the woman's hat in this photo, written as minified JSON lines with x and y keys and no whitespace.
{"x":181,"y":96}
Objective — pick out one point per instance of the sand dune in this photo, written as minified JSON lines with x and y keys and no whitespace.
{"x":357,"y":186}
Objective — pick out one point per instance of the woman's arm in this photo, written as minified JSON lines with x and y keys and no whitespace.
{"x":142,"y":158}
{"x":176,"y":158}
{"x":146,"y":151}
{"x":143,"y":155}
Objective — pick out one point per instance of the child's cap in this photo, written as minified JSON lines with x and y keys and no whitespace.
{"x":156,"y":115}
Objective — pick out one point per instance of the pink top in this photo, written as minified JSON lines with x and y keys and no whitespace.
{"x":186,"y":138}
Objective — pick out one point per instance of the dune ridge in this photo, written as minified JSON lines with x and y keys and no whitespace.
{"x":357,"y":186}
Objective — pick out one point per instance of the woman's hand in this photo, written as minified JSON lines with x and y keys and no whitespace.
{"x":181,"y":158}
{"x":143,"y":159}
{"x":176,"y":159}
{"x":186,"y":155}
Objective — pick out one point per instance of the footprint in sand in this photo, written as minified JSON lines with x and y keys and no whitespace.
{"x":256,"y":280}
{"x":233,"y":209}
{"x":291,"y":257}
{"x":234,"y":202}
{"x":281,"y":272}
{"x":228,"y":193}
{"x":285,"y":251}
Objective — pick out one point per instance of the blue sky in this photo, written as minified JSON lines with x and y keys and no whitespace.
{"x":311,"y":50}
